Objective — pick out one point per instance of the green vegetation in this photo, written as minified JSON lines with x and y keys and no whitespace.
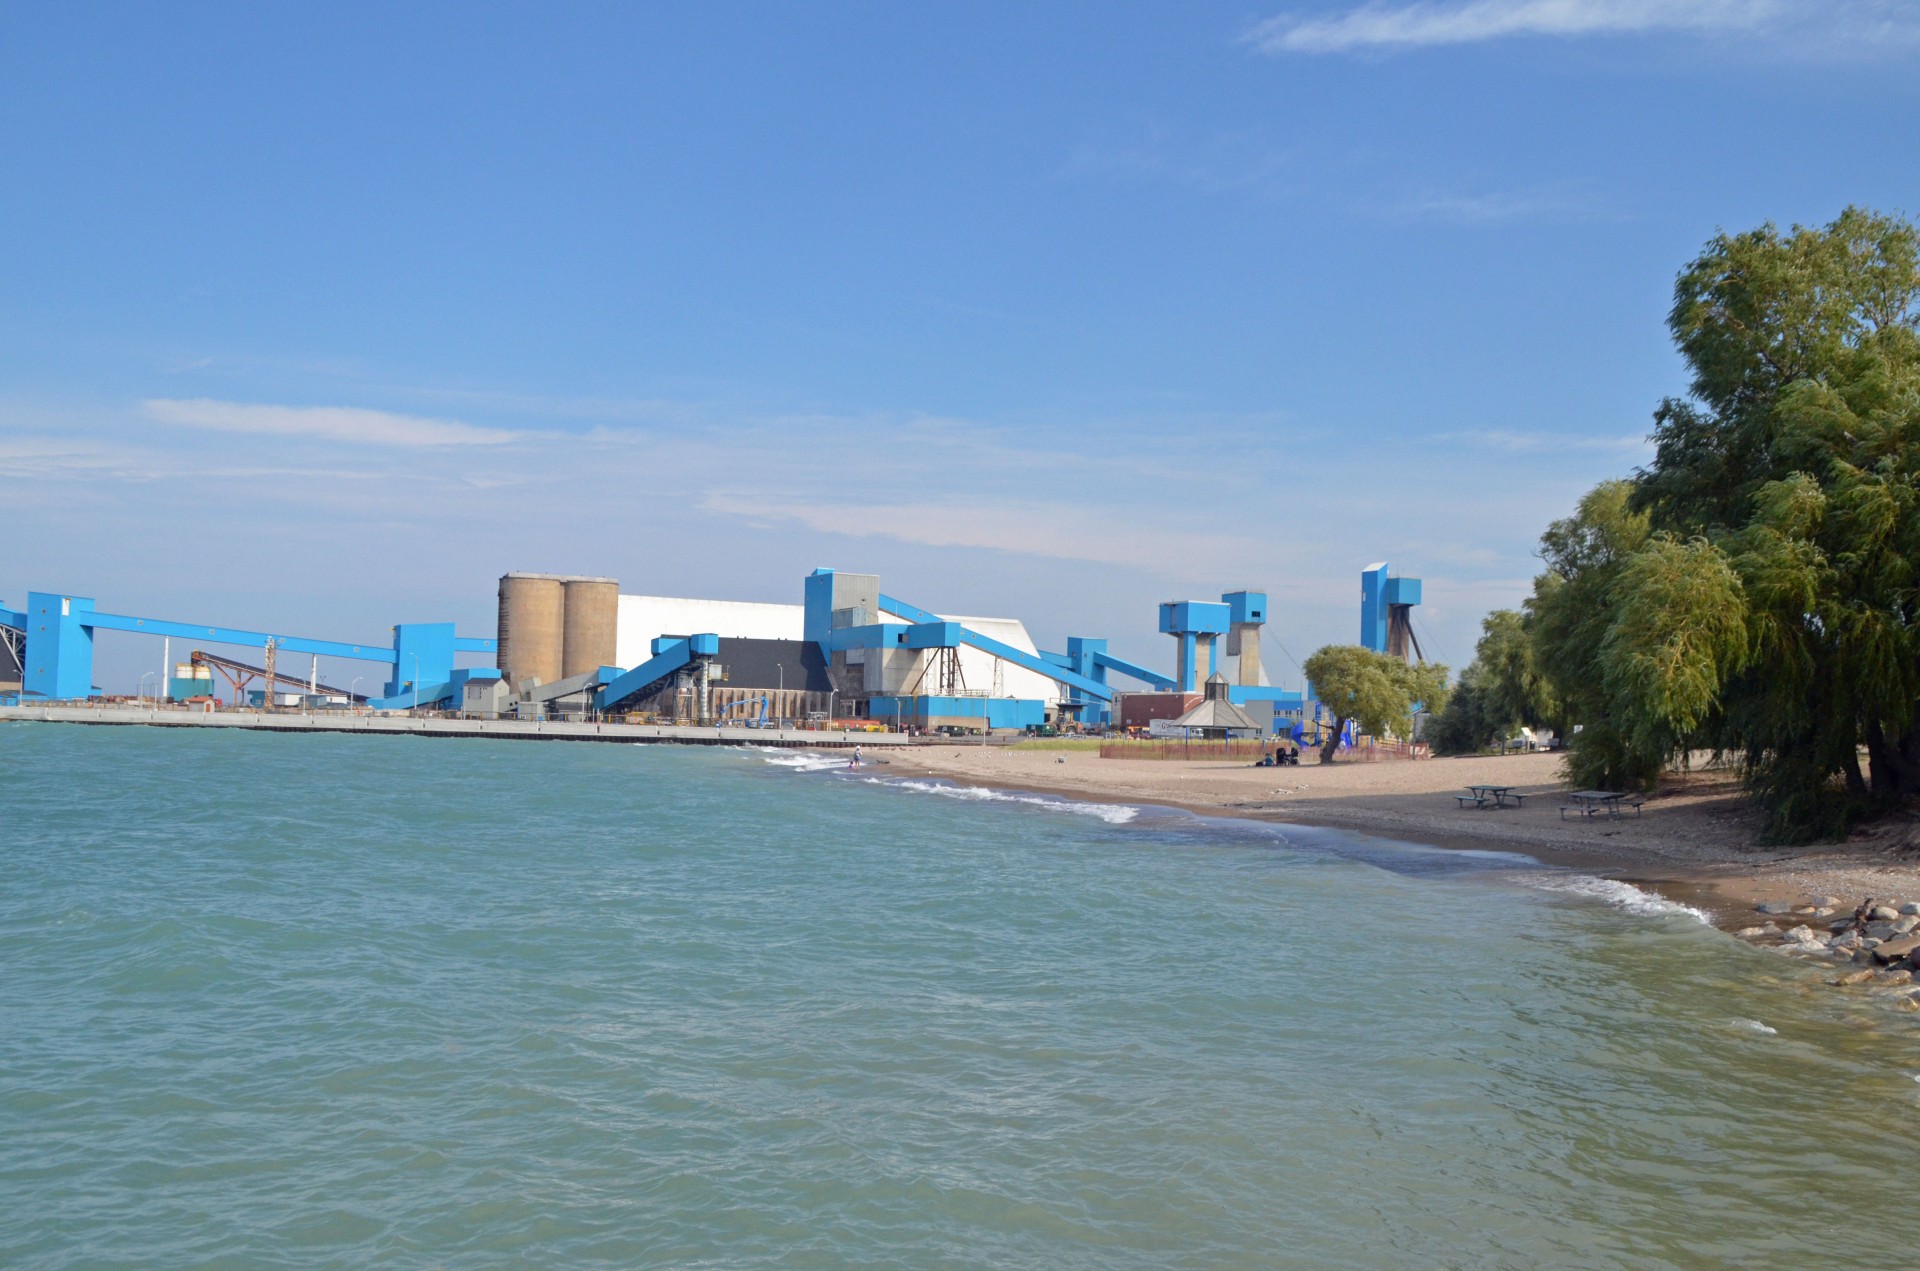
{"x":1374,"y":691}
{"x":1501,"y":691}
{"x":1756,"y":589}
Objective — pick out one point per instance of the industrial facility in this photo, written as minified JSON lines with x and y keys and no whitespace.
{"x":575,"y":647}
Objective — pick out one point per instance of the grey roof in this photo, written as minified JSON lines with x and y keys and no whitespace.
{"x":1216,"y":712}
{"x":765,"y":664}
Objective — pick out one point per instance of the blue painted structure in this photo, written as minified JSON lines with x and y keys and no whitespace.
{"x":60,"y":629}
{"x":1089,"y":658}
{"x":431,"y":693}
{"x":1245,"y":608}
{"x":1380,"y":596}
{"x":924,"y":630}
{"x":670,"y":654}
{"x":1191,"y":622}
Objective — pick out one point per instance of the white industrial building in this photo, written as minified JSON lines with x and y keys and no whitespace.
{"x":642,"y":618}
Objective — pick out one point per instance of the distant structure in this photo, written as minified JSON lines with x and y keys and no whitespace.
{"x":1386,"y":613}
{"x":555,"y":626}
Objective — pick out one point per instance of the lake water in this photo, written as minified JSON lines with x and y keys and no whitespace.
{"x":338,"y":1001}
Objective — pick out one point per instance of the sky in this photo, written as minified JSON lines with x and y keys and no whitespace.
{"x":320,"y":318}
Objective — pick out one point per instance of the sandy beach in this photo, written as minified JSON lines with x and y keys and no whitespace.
{"x":1696,"y":840}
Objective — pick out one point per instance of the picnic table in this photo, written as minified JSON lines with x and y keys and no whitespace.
{"x":1479,"y":796}
{"x":1589,"y":802}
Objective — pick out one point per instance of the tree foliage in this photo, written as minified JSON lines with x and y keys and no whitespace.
{"x":1375,"y":692}
{"x":1501,"y":691}
{"x":1756,"y":588}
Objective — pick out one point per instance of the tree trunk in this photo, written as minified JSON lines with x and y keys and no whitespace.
{"x":1332,"y":743}
{"x":1896,"y":775}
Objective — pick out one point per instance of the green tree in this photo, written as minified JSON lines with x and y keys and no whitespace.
{"x":1373,"y":691}
{"x":1569,"y":616}
{"x":1757,"y":587}
{"x":1501,"y":691}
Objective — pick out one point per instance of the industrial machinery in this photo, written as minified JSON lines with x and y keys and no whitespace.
{"x":239,"y":675}
{"x":59,"y":631}
{"x":1386,"y":613}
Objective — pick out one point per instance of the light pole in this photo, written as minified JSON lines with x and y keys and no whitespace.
{"x":416,"y":681}
{"x":143,"y":687}
{"x":351,"y":694}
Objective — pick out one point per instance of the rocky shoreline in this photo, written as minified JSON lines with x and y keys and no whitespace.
{"x":1881,"y":938}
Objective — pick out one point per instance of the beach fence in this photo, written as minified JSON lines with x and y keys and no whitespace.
{"x":1365,"y":750}
{"x":1249,"y":750}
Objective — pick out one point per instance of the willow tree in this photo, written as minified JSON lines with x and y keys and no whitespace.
{"x":1376,"y":692}
{"x":1772,"y":606}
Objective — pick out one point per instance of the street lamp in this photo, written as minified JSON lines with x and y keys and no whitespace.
{"x":350,"y":690}
{"x":416,"y":681}
{"x":143,"y":686}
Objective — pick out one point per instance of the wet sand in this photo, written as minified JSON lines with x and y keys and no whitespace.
{"x":1696,"y":840}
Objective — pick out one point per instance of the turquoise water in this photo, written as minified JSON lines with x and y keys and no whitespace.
{"x":310,"y":1001}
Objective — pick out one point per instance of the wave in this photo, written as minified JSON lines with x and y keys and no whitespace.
{"x":1111,"y":813}
{"x":1622,"y":896}
{"x":1756,"y":1026}
{"x":802,"y":760}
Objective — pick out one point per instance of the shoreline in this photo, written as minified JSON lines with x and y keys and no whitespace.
{"x":1692,"y":844}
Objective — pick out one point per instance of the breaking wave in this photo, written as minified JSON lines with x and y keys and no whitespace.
{"x":1612,"y":891}
{"x":803,"y":760}
{"x":1111,"y":813}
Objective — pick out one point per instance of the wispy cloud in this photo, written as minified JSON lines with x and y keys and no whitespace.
{"x":325,"y":423}
{"x":1428,"y":23}
{"x":1489,"y":207}
{"x":1545,"y":443}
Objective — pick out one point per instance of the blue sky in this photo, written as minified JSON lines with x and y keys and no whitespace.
{"x":319,"y":320}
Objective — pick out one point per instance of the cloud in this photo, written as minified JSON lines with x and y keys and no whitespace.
{"x":1429,"y":23}
{"x":326,"y":423}
{"x":1544,"y":443}
{"x":1489,"y":208}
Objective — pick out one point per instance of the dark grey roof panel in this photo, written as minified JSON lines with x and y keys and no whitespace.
{"x":796,"y":664}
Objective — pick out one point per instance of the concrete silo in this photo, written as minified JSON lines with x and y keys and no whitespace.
{"x":532,"y":628}
{"x":592,"y":612}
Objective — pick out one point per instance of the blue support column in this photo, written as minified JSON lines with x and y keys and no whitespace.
{"x":59,"y":647}
{"x":423,"y":654}
{"x":1373,"y":607}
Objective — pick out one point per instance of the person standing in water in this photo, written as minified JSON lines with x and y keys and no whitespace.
{"x":856,"y":758}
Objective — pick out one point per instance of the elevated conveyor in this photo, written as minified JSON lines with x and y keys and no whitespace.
{"x":671,"y":654}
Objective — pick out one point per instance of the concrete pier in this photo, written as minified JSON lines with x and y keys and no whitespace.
{"x":388,"y":725}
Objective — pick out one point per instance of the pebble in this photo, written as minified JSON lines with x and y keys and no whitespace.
{"x":1753,"y":933}
{"x":1774,"y":907}
{"x":1846,"y":940}
{"x":1823,"y":911}
{"x":1906,"y":924}
{"x":1884,"y":913}
{"x":1880,"y":930}
{"x":1801,"y":935}
{"x":1828,"y":902}
{"x":1911,"y":907}
{"x":1854,"y":977}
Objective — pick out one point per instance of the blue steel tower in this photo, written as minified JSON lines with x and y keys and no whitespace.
{"x":1386,"y":613}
